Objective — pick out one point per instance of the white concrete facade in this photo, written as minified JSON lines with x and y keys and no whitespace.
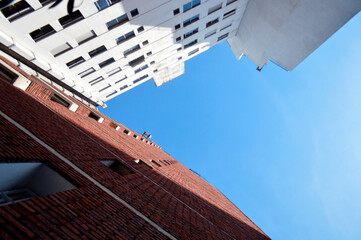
{"x":111,"y":46}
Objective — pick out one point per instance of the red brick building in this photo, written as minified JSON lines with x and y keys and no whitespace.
{"x":69,"y":172}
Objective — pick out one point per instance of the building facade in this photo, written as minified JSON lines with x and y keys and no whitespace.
{"x":68,"y":172}
{"x":107,"y":47}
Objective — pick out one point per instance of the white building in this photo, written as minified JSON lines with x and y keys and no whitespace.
{"x":107,"y":47}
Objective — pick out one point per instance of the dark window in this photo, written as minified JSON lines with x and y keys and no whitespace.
{"x":125,"y":77}
{"x":190,"y":44}
{"x":193,"y":52}
{"x":75,"y":62}
{"x":178,"y":49}
{"x":101,"y":90}
{"x":152,"y":62}
{"x":177,"y":26}
{"x":56,"y":98}
{"x":140,"y":29}
{"x":134,"y":12}
{"x":180,"y":58}
{"x":190,"y":5}
{"x":86,"y":72}
{"x":97,"y":51}
{"x":17,"y":10}
{"x":191,"y":20}
{"x":102,"y":4}
{"x":176,"y":11}
{"x":141,"y":68}
{"x":136,"y":61}
{"x":126,"y":131}
{"x":190,"y":33}
{"x":178,"y":39}
{"x":124,"y":87}
{"x":97,"y":80}
{"x":222,"y":37}
{"x":68,"y":20}
{"x":117,"y":167}
{"x":230,"y":13}
{"x":149,"y":53}
{"x":135,"y":136}
{"x":210,"y":23}
{"x":94,"y":116}
{"x":131,"y":50}
{"x":155,"y":163}
{"x":231,"y":1}
{"x":141,"y":78}
{"x":145,"y":42}
{"x":156,"y":70}
{"x":42,"y":32}
{"x":125,"y":37}
{"x":143,"y":164}
{"x":106,"y":62}
{"x":7,"y":75}
{"x":117,"y":21}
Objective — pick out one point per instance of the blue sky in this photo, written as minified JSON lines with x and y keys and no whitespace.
{"x":285,"y":147}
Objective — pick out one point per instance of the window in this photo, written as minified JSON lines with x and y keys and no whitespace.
{"x":222,"y":37}
{"x":75,"y":62}
{"x":86,"y":72}
{"x":228,"y":14}
{"x":61,"y":49}
{"x":86,"y":37}
{"x":94,"y":116}
{"x":215,"y":8}
{"x":41,"y":33}
{"x":226,"y":27}
{"x":145,"y":42}
{"x":102,"y":4}
{"x":141,"y":78}
{"x":152,"y":161}
{"x":178,"y":49}
{"x":149,"y":53}
{"x":190,"y":5}
{"x":125,"y":37}
{"x":134,"y":12}
{"x":190,"y":33}
{"x":97,"y":51}
{"x":141,"y":68}
{"x":230,"y":1}
{"x":111,"y":94}
{"x":117,"y":22}
{"x":136,"y":61}
{"x":125,"y":77}
{"x":117,"y":167}
{"x":17,"y":10}
{"x":140,"y":29}
{"x":68,"y":20}
{"x":58,"y":99}
{"x":210,"y":23}
{"x":177,"y":26}
{"x":178,"y":39}
{"x":131,"y":50}
{"x":190,"y":44}
{"x":135,"y":136}
{"x":124,"y":87}
{"x":143,"y":164}
{"x":193,"y":52}
{"x":7,"y":75}
{"x":162,"y":162}
{"x":191,"y":20}
{"x":22,"y":181}
{"x":113,"y":125}
{"x":114,"y":71}
{"x":106,"y":62}
{"x":155,"y":70}
{"x":210,"y":33}
{"x":180,"y":58}
{"x":95,"y":81}
{"x":108,"y":86}
{"x":126,"y":131}
{"x":176,"y":11}
{"x":152,"y":62}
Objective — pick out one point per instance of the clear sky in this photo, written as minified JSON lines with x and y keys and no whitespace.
{"x":285,"y":147}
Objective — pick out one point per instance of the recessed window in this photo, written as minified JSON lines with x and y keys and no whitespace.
{"x":7,"y":75}
{"x":122,"y":79}
{"x":70,"y":19}
{"x":102,"y":4}
{"x":149,"y":53}
{"x":162,"y":162}
{"x":141,"y":78}
{"x":210,"y":33}
{"x":117,"y":167}
{"x":177,"y":26}
{"x":222,"y":37}
{"x":94,"y":116}
{"x":141,"y":68}
{"x":106,"y":62}
{"x":75,"y":62}
{"x":227,"y":26}
{"x":114,"y":71}
{"x":58,"y":99}
{"x":178,"y":39}
{"x":145,"y":42}
{"x":117,"y":21}
{"x":176,"y":11}
{"x":193,"y":52}
{"x":125,"y":37}
{"x":135,"y":136}
{"x":180,"y":58}
{"x":17,"y":10}
{"x":214,"y":8}
{"x":111,"y":94}
{"x":210,"y":23}
{"x":143,"y":164}
{"x":97,"y":51}
{"x":190,"y":33}
{"x":134,"y":12}
{"x":124,"y":87}
{"x":126,"y":131}
{"x":96,"y":80}
{"x":131,"y":50}
{"x":155,"y":70}
{"x":104,"y":88}
{"x":152,"y":62}
{"x":152,"y":161}
{"x":86,"y":72}
{"x":136,"y":61}
{"x":228,"y":14}
{"x":140,"y":29}
{"x":190,"y":44}
{"x":22,"y":181}
{"x":190,"y":5}
{"x":85,"y":37}
{"x":230,"y":1}
{"x":191,"y":20}
{"x":178,"y":49}
{"x":61,"y":49}
{"x":41,"y":33}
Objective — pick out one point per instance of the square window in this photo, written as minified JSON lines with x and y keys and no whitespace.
{"x":176,"y":11}
{"x":141,"y":29}
{"x":177,"y":26}
{"x":134,"y":12}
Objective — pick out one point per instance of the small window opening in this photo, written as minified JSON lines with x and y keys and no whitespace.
{"x":134,"y":12}
{"x":143,"y":164}
{"x":7,"y":75}
{"x":126,"y":131}
{"x":140,"y":29}
{"x":113,"y":125}
{"x":176,"y":11}
{"x":56,"y":98}
{"x":117,"y":167}
{"x":94,"y":116}
{"x":155,"y":163}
